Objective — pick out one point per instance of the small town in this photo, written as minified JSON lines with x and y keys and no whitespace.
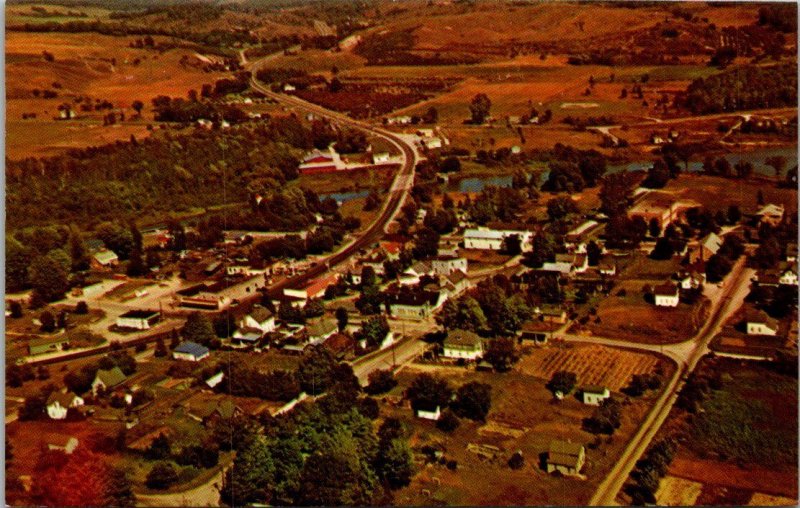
{"x":380,"y":253}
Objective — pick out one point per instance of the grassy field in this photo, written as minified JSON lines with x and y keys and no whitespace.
{"x":523,"y":417}
{"x":98,"y":66}
{"x":742,"y":447}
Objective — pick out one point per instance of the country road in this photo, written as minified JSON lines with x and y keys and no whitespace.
{"x":686,"y":354}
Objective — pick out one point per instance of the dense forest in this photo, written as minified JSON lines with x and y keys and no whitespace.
{"x":749,"y":87}
{"x":162,"y":173}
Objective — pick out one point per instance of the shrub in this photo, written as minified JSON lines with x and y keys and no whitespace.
{"x":448,"y":422}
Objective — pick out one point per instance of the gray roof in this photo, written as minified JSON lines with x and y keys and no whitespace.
{"x":564,"y":453}
{"x":105,"y":256}
{"x":260,"y":313}
{"x":111,"y":377}
{"x":191,"y":348}
{"x":321,"y":327}
{"x":463,"y":338}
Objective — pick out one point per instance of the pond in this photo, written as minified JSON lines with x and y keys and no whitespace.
{"x":343,"y":197}
{"x":757,"y":158}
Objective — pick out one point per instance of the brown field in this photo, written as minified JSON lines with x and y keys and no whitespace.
{"x":83,"y":66}
{"x":674,"y":491}
{"x":632,"y":318}
{"x":594,"y":365}
{"x":722,"y":474}
{"x":523,"y":417}
{"x":727,"y":192}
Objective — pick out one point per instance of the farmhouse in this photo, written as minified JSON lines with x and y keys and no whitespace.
{"x":380,"y":158}
{"x":138,"y":319}
{"x":429,"y":414}
{"x":666,"y":295}
{"x":689,"y":279}
{"x":462,"y":344}
{"x":594,"y":395}
{"x":190,"y":352}
{"x":490,"y":239}
{"x":260,"y":318}
{"x":759,"y":323}
{"x":320,"y":161}
{"x":456,"y":283}
{"x":105,"y":379}
{"x":47,"y":345}
{"x":104,"y":260}
{"x":552,"y":314}
{"x":314,"y":288}
{"x":60,"y":402}
{"x":579,"y":235}
{"x":607,"y":266}
{"x":565,"y":457}
{"x":707,"y":247}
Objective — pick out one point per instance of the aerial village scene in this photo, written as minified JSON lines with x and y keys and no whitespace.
{"x":401,"y":252}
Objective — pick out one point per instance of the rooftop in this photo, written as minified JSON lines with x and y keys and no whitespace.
{"x":191,"y":348}
{"x":463,"y":338}
{"x":140,"y":314}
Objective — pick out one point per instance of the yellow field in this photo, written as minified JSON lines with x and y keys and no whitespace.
{"x":674,"y":491}
{"x":594,"y":365}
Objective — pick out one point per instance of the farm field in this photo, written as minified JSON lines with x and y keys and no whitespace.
{"x":593,"y":365}
{"x":523,"y":417}
{"x":98,"y":66}
{"x":742,"y":448}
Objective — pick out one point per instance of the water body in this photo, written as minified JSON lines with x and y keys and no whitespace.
{"x":343,"y":197}
{"x":757,"y":158}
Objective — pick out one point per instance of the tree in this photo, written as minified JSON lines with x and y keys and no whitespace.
{"x":48,"y":279}
{"x":373,"y":330}
{"x":428,"y":392}
{"x":82,"y":478}
{"x":342,"y":317}
{"x":593,"y":252}
{"x":137,"y":106}
{"x":15,"y":307}
{"x":337,"y":475}
{"x":161,"y":349}
{"x":34,"y":407}
{"x":605,"y":419}
{"x":502,"y":353}
{"x":317,"y":371}
{"x":473,"y":401}
{"x":368,"y":277}
{"x":380,"y":381}
{"x":717,"y":267}
{"x":450,"y":165}
{"x":250,"y":478}
{"x":199,"y":329}
{"x":426,"y":243}
{"x":160,"y":448}
{"x":562,"y":381}
{"x":431,"y":115}
{"x":81,"y":307}
{"x":560,"y":207}
{"x":395,"y":464}
{"x":464,"y":314}
{"x":479,"y":108}
{"x":17,"y":262}
{"x":136,"y":266}
{"x":77,"y":250}
{"x":48,"y":322}
{"x":778,"y":163}
{"x":448,"y":421}
{"x":663,"y":249}
{"x":512,"y":245}
{"x":162,"y":476}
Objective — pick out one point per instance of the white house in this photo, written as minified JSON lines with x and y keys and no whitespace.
{"x":666,"y":295}
{"x":483,"y":238}
{"x":788,"y":276}
{"x":594,"y":395}
{"x":190,"y":352}
{"x":759,"y":323}
{"x":60,"y":402}
{"x":238,"y":270}
{"x":462,"y":344}
{"x":104,"y":260}
{"x":565,"y":457}
{"x":215,"y":379}
{"x":138,"y":319}
{"x":380,"y":158}
{"x":434,"y":414}
{"x":260,"y":318}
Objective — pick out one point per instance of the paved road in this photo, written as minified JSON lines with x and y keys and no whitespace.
{"x":689,"y":353}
